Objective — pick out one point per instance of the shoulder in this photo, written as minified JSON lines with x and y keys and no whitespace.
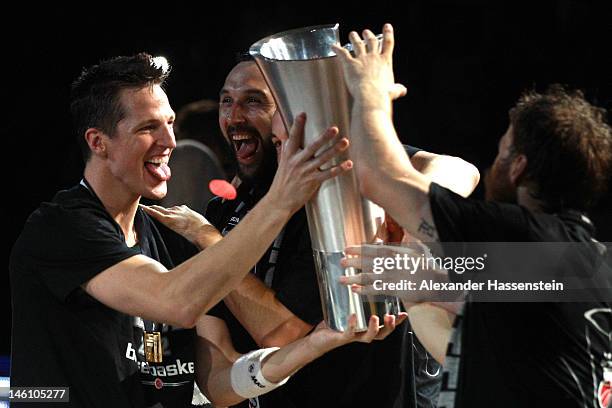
{"x":569,"y":225}
{"x":80,"y":212}
{"x":71,"y":216}
{"x":470,"y":219}
{"x":467,"y":219}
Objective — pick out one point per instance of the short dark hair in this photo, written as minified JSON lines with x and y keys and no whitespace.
{"x":95,"y":94}
{"x":568,"y":146}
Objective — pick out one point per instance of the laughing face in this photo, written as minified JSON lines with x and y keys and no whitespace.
{"x":139,"y":151}
{"x":245,"y":117}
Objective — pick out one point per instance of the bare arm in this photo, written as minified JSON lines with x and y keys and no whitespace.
{"x":390,"y":179}
{"x":451,"y":172}
{"x":431,"y":319}
{"x":266,"y":319}
{"x":433,"y":326}
{"x":255,"y":306}
{"x":384,"y":171}
{"x":186,"y":222}
{"x":139,"y":286}
{"x":215,"y":356}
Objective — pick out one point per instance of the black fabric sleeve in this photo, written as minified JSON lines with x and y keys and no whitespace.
{"x":214,"y":211}
{"x":217,"y":310}
{"x":179,"y":248}
{"x":411,"y":150}
{"x":295,"y":282}
{"x":68,"y":247}
{"x":459,"y":219}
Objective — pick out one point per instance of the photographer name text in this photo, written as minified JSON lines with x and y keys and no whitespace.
{"x":469,"y":285}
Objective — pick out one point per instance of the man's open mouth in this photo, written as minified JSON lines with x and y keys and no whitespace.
{"x":246,"y":146}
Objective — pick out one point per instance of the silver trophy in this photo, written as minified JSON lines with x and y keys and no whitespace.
{"x":305,"y":75}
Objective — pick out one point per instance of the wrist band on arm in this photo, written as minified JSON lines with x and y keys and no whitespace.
{"x":247,"y":378}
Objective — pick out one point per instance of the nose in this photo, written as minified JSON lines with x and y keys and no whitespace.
{"x":167,"y":138}
{"x":235,"y":114}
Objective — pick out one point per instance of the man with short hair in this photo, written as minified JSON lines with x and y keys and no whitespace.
{"x":99,"y":303}
{"x":553,"y":162}
{"x":279,"y":302}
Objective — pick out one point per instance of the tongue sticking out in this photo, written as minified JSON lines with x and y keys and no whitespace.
{"x":247,"y":149}
{"x":161,"y":171}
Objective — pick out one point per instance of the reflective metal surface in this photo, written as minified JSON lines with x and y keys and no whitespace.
{"x":305,"y":75}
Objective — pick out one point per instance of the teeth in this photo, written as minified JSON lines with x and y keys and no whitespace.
{"x":159,"y":160}
{"x":241,"y":137}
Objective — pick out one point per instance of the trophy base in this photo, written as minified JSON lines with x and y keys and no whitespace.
{"x":339,"y":302}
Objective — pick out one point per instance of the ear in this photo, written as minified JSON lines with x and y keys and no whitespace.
{"x":517,"y":169}
{"x":96,"y":140}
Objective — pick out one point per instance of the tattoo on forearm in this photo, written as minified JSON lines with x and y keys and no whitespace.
{"x":428,"y":229}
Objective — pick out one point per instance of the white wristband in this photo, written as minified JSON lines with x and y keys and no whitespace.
{"x":247,"y":378}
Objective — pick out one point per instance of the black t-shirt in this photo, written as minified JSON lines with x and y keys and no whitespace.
{"x":62,"y":336}
{"x":521,"y":354}
{"x":379,"y":374}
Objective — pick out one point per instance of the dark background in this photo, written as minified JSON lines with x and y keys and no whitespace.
{"x":464,"y":63}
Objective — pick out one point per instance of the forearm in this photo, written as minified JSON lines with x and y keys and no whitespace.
{"x":227,"y":380}
{"x":213,"y":372}
{"x":186,"y":222}
{"x":385,"y":173}
{"x":274,"y":368}
{"x":290,"y":358}
{"x":451,"y":172}
{"x":375,"y":147}
{"x":207,"y":236}
{"x":433,"y":326}
{"x":205,"y":279}
{"x":266,"y":319}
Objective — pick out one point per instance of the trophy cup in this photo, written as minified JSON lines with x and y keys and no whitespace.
{"x":304,"y":75}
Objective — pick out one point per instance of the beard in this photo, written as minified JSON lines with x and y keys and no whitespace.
{"x":498,"y":186}
{"x":261,"y":173}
